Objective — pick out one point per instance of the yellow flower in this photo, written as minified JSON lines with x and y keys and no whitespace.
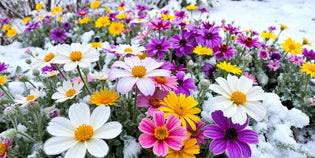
{"x":104,"y":97}
{"x":108,"y":10}
{"x":247,"y":31}
{"x":282,"y":27}
{"x":39,"y":6}
{"x":56,"y":9}
{"x":6,"y":27}
{"x":116,"y":28}
{"x":95,"y":4}
{"x":188,"y":150}
{"x":26,"y":20}
{"x":191,"y":7}
{"x":121,"y":16}
{"x":41,"y":17}
{"x":181,"y":107}
{"x":167,"y":17}
{"x":121,"y":7}
{"x":54,"y":13}
{"x":102,"y":22}
{"x":229,"y":68}
{"x":268,"y":35}
{"x":308,"y":69}
{"x":11,"y":33}
{"x":96,"y":44}
{"x":143,"y":55}
{"x":202,"y":50}
{"x":85,"y":20}
{"x":2,"y":80}
{"x":291,"y":47}
{"x":305,"y":41}
{"x":60,"y":18}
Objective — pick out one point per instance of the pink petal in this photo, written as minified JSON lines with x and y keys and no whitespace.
{"x":179,"y":132}
{"x":151,"y":64}
{"x":125,"y":84}
{"x":234,"y":150}
{"x":218,"y":146}
{"x":158,"y":72}
{"x":147,"y":141}
{"x":146,"y":86}
{"x":246,"y":152}
{"x":160,"y":149}
{"x":172,"y":122}
{"x":174,"y":142}
{"x":248,"y":136}
{"x":147,"y":126}
{"x":159,"y":118}
{"x":212,"y":131}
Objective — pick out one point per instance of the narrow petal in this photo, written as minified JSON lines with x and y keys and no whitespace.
{"x":216,"y":88}
{"x":118,"y":73}
{"x":160,"y":149}
{"x":97,"y":147}
{"x":57,"y":145}
{"x":79,"y":114}
{"x":255,"y":93}
{"x":179,"y":132}
{"x":77,"y":151}
{"x":147,"y":141}
{"x":174,"y":142}
{"x":248,"y":136}
{"x":146,"y":86}
{"x":151,"y":64}
{"x":159,"y":118}
{"x":246,"y":152}
{"x":232,"y":82}
{"x":108,"y":131}
{"x":172,"y":122}
{"x":220,"y":120}
{"x":239,"y":116}
{"x":99,"y":116}
{"x":218,"y":146}
{"x":234,"y":150}
{"x":60,"y":126}
{"x":158,"y":72}
{"x":70,"y":66}
{"x":256,"y":110}
{"x":244,"y":84}
{"x":147,"y":126}
{"x":125,"y":84}
{"x":212,"y":131}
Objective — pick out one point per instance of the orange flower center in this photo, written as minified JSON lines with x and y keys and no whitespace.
{"x":31,"y":97}
{"x":49,"y":56}
{"x":83,"y":132}
{"x":238,"y":97}
{"x":3,"y":149}
{"x":138,"y":71}
{"x":160,"y":79}
{"x":128,"y":50}
{"x":155,"y":101}
{"x":82,"y":12}
{"x":76,"y":56}
{"x":161,"y":133}
{"x":292,"y":46}
{"x":70,"y":92}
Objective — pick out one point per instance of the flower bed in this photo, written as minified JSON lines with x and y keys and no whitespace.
{"x":130,"y":82}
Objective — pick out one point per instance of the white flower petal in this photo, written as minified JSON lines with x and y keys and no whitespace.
{"x":244,"y":84}
{"x":146,"y":86}
{"x":121,"y":65}
{"x":255,"y":109}
{"x":77,"y":151}
{"x":239,"y":116}
{"x":132,"y":61}
{"x":57,"y":95}
{"x":57,"y":145}
{"x":108,"y":131}
{"x":223,"y":83}
{"x":255,"y":93}
{"x":97,"y":147}
{"x":60,"y":126}
{"x":63,"y":49}
{"x":221,"y":102}
{"x":76,"y":47}
{"x":67,"y":85}
{"x":90,"y":56}
{"x":70,"y":66}
{"x":230,"y":110}
{"x":216,"y":88}
{"x":150,"y":64}
{"x":125,"y":84}
{"x":79,"y":114}
{"x":158,"y":72}
{"x":99,"y":116}
{"x":118,"y":73}
{"x":233,"y":82}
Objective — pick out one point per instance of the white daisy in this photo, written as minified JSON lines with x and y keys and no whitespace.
{"x":67,"y":91}
{"x":82,"y":132}
{"x":50,"y":74}
{"x":44,"y":59}
{"x":75,"y":54}
{"x":34,"y":94}
{"x":100,"y":76}
{"x":238,"y":97}
{"x":125,"y":49}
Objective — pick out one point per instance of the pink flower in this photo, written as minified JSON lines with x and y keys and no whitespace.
{"x":165,"y":83}
{"x":198,"y":133}
{"x":154,"y":101}
{"x":252,"y":77}
{"x":161,"y":136}
{"x":4,"y":145}
{"x":274,"y":65}
{"x":296,"y":60}
{"x":262,"y":54}
{"x":79,"y":79}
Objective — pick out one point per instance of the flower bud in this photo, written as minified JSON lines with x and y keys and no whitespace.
{"x":205,"y":83}
{"x":36,"y":72}
{"x":32,"y":105}
{"x":28,"y":61}
{"x":8,"y":134}
{"x":22,"y":78}
{"x":190,"y":64}
{"x":9,"y":111}
{"x":53,"y":112}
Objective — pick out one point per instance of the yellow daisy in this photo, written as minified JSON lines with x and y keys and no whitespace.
{"x":290,"y":46}
{"x":2,"y":80}
{"x":229,"y":68}
{"x":191,"y":7}
{"x":96,"y":44}
{"x":308,"y":69}
{"x":95,"y":4}
{"x":102,"y":22}
{"x":104,"y":97}
{"x":305,"y":41}
{"x":188,"y":150}
{"x":181,"y":107}
{"x":85,"y":20}
{"x":282,"y":27}
{"x":56,"y":9}
{"x":116,"y":28}
{"x":167,"y":17}
{"x":121,"y":16}
{"x":6,"y":27}
{"x":11,"y":33}
{"x":268,"y":35}
{"x":203,"y":50}
{"x":39,"y":6}
{"x":108,"y":10}
{"x":26,"y":20}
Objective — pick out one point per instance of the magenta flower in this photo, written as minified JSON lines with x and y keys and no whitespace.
{"x":161,"y":136}
{"x":209,"y":37}
{"x":231,"y":29}
{"x":229,"y":136}
{"x":184,"y":85}
{"x":262,"y":54}
{"x":208,"y":69}
{"x":158,"y":47}
{"x":7,"y":145}
{"x":224,"y":51}
{"x":198,"y":133}
{"x":180,"y":14}
{"x":165,"y":83}
{"x":252,"y":77}
{"x":3,"y":67}
{"x":274,"y":65}
{"x":66,"y":25}
{"x":296,"y":60}
{"x":153,"y":102}
{"x":160,"y":25}
{"x":309,"y":54}
{"x":184,"y":43}
{"x":249,"y":42}
{"x":58,"y":35}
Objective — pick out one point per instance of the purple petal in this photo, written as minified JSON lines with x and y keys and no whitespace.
{"x":218,"y":146}
{"x":248,"y":136}
{"x":212,"y":131}
{"x":220,"y":120}
{"x":234,"y":150}
{"x":245,"y":149}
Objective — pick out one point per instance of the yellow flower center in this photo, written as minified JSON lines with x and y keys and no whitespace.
{"x":49,"y":56}
{"x":83,"y":132}
{"x":160,"y":79}
{"x":138,"y":71}
{"x":70,"y":92}
{"x":31,"y":97}
{"x":161,"y":133}
{"x":238,"y":97}
{"x":3,"y":148}
{"x":179,"y":110}
{"x":155,"y":101}
{"x":82,"y":12}
{"x":128,"y":50}
{"x":76,"y":56}
{"x":292,"y":46}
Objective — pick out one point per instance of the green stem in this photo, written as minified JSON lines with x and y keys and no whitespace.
{"x":307,"y":82}
{"x":27,"y":136}
{"x":8,"y":95}
{"x":60,"y":71}
{"x":135,"y":106}
{"x":31,"y":84}
{"x":39,"y":125}
{"x":13,"y":120}
{"x":83,"y":80}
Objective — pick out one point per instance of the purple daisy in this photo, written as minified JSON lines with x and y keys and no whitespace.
{"x":180,"y":14}
{"x":224,"y":51}
{"x":262,"y":54}
{"x":296,"y":60}
{"x":309,"y":54}
{"x":142,"y":7}
{"x":4,"y":20}
{"x":184,"y":85}
{"x":231,"y":29}
{"x":203,"y":10}
{"x":31,"y":27}
{"x":47,"y":20}
{"x":58,"y":35}
{"x":229,"y":136}
{"x":272,"y":28}
{"x":112,"y":16}
{"x":3,"y":67}
{"x":208,"y":69}
{"x":209,"y":37}
{"x":158,"y":47}
{"x":248,"y":42}
{"x":274,"y":65}
{"x":160,"y":25}
{"x":82,"y":13}
{"x":184,"y":43}
{"x":275,"y":56}
{"x":66,"y":25}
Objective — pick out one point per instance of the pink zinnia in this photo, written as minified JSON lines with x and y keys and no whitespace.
{"x":296,"y":59}
{"x":274,"y":65}
{"x":154,"y":101}
{"x":252,"y":77}
{"x":161,"y":136}
{"x":262,"y":54}
{"x":165,"y":83}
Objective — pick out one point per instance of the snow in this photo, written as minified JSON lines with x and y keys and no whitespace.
{"x":131,"y":147}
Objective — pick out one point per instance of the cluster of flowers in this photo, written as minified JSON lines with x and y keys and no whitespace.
{"x":160,"y":63}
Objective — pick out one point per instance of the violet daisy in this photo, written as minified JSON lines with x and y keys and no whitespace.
{"x":180,"y":14}
{"x":58,"y":35}
{"x":296,"y":60}
{"x":3,"y":66}
{"x":66,"y":25}
{"x":209,"y":37}
{"x":231,"y":29}
{"x":184,"y":85}
{"x":224,"y":51}
{"x":158,"y":47}
{"x":275,"y":56}
{"x":274,"y":65}
{"x":184,"y":43}
{"x":229,"y":136}
{"x":208,"y":69}
{"x":31,"y":27}
{"x":174,"y":68}
{"x":82,"y":12}
{"x":309,"y":54}
{"x":249,"y":42}
{"x":160,"y":25}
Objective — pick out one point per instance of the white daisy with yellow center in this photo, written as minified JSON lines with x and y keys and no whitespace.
{"x":75,"y":54}
{"x":100,"y":76}
{"x":34,"y":94}
{"x":238,"y":97}
{"x":67,"y":91}
{"x":44,"y":59}
{"x":84,"y":131}
{"x":125,"y":49}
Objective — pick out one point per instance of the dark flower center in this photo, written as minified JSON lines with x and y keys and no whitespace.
{"x":223,"y":48}
{"x":58,"y":34}
{"x":159,"y":46}
{"x":208,"y":35}
{"x":194,"y":133}
{"x":160,"y":25}
{"x":248,"y":41}
{"x":182,"y":42}
{"x":230,"y":134}
{"x":180,"y":83}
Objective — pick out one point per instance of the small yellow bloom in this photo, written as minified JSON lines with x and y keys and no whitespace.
{"x":108,"y":10}
{"x":104,"y":97}
{"x":246,"y":31}
{"x":2,"y":80}
{"x":102,"y":22}
{"x":305,"y":41}
{"x":6,"y":27}
{"x":11,"y":33}
{"x":268,"y":35}
{"x":189,"y":149}
{"x":85,"y":20}
{"x":203,"y":50}
{"x":96,"y":44}
{"x":26,"y":20}
{"x":191,"y":7}
{"x":121,"y":16}
{"x":39,"y":6}
{"x":95,"y":4}
{"x":60,"y":18}
{"x":167,"y":17}
{"x":54,"y":13}
{"x":308,"y":69}
{"x":56,"y":9}
{"x":41,"y":17}
{"x":291,"y":47}
{"x":282,"y":27}
{"x":229,"y":68}
{"x":116,"y":28}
